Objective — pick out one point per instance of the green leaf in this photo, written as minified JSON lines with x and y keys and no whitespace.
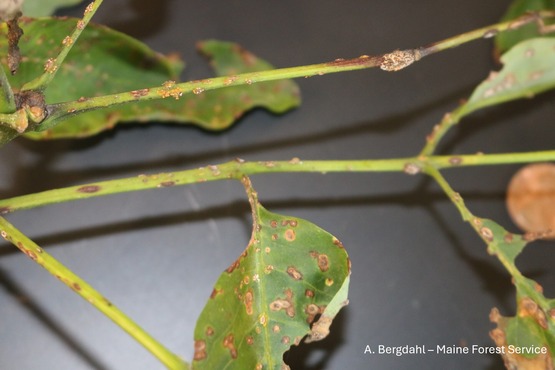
{"x":527,"y":71}
{"x":531,"y":328}
{"x":506,"y":40}
{"x":500,"y":242}
{"x":524,"y":332}
{"x":525,"y":341}
{"x":291,"y":273}
{"x":104,"y":61}
{"x":41,"y":8}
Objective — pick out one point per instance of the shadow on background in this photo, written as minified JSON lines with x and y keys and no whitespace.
{"x":21,"y":296}
{"x":149,"y":17}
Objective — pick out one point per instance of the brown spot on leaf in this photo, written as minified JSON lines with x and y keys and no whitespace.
{"x":292,"y":223}
{"x":273,"y":224}
{"x":508,"y":238}
{"x":276,"y":328}
{"x":512,"y":359}
{"x":309,"y":293}
{"x":249,"y":299}
{"x":290,"y":235}
{"x":89,"y":189}
{"x":528,"y":307}
{"x":228,"y":343}
{"x":338,"y":243}
{"x":323,"y":262}
{"x":312,"y":310}
{"x":486,"y":234}
{"x":320,"y":329}
{"x":200,"y":350}
{"x":250,"y":340}
{"x":209,"y":331}
{"x":294,"y":273}
{"x":233,"y":266}
{"x":5,"y":210}
{"x":494,"y":315}
{"x":215,"y":292}
{"x":285,"y":339}
{"x":285,"y":304}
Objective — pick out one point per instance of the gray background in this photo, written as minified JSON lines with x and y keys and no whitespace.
{"x":420,"y":276}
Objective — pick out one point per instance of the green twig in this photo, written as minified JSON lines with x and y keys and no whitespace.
{"x":52,"y":66}
{"x":393,"y":61}
{"x":525,"y":287}
{"x":239,"y":168}
{"x":17,"y":121}
{"x":489,"y":31}
{"x":79,"y":286}
{"x":449,"y":120}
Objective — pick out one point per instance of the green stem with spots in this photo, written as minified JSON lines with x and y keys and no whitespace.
{"x":392,"y":61}
{"x":237,"y":169}
{"x":525,"y":287}
{"x":449,"y":120}
{"x":489,"y":31}
{"x":448,"y":190}
{"x":86,"y":291}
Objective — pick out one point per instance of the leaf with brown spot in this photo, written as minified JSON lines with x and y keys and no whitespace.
{"x":530,"y":327}
{"x":105,"y":62}
{"x":527,"y":71}
{"x":271,"y":310}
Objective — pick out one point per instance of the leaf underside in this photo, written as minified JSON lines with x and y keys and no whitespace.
{"x":104,"y":61}
{"x":292,"y":274}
